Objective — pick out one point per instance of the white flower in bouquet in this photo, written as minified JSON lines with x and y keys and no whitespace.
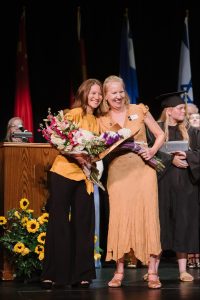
{"x":125,"y":132}
{"x":56,"y":140}
{"x":82,"y":136}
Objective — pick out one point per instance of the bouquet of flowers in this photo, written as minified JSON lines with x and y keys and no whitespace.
{"x":70,"y":140}
{"x":24,"y":238}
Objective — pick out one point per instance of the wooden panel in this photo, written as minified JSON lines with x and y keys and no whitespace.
{"x":24,"y":168}
{"x":25,"y":174}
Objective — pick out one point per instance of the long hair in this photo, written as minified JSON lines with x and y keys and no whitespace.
{"x":81,"y":97}
{"x":182,"y":126}
{"x":104,"y":106}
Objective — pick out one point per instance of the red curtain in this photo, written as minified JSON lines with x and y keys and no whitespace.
{"x":23,"y":106}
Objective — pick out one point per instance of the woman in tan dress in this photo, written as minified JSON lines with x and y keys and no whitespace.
{"x":132,"y":185}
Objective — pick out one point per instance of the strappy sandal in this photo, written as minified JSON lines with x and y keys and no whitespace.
{"x":154,"y":284}
{"x":191,"y":265}
{"x":146,"y":277}
{"x":116,"y":281}
{"x":186,"y":277}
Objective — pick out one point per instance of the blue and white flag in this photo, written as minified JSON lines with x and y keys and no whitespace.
{"x":127,"y":61}
{"x":185,"y":78}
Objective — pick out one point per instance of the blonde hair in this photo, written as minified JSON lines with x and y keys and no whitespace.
{"x":10,"y":124}
{"x":182,"y":126}
{"x":191,"y":108}
{"x":104,"y":106}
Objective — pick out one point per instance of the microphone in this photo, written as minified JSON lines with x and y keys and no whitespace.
{"x":24,"y":134}
{"x":20,"y":126}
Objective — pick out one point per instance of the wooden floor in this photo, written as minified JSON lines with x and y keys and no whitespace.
{"x":133,"y":287}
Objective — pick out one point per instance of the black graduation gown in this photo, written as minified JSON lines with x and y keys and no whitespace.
{"x":179,"y":197}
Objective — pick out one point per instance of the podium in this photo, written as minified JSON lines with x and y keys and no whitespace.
{"x":23,"y":174}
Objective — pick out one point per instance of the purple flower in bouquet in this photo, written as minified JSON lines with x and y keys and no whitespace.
{"x":110,"y":138}
{"x":134,"y":147}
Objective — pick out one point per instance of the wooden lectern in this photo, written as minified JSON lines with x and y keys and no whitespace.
{"x":23,"y":174}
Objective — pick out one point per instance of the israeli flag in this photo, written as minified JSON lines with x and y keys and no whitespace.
{"x":127,"y":61}
{"x":185,"y":78}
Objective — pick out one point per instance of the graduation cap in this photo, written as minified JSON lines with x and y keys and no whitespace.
{"x":172,"y":99}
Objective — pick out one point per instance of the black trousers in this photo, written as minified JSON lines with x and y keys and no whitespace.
{"x":69,"y":246}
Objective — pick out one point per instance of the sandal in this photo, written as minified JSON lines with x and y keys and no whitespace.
{"x":46,"y":284}
{"x":82,"y":284}
{"x":191,"y":265}
{"x":116,"y":281}
{"x":154,"y":284}
{"x":186,"y":277}
{"x":146,"y":277}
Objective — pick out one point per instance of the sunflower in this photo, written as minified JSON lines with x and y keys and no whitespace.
{"x":39,"y":249}
{"x":24,"y":221}
{"x":32,"y":226}
{"x":17,"y":214}
{"x":41,"y":256}
{"x":30,"y":211}
{"x":3,"y":220}
{"x":25,"y":251}
{"x":24,"y":203}
{"x":97,"y":256}
{"x":44,"y":218}
{"x":19,"y":247}
{"x":95,"y":238}
{"x":41,"y":238}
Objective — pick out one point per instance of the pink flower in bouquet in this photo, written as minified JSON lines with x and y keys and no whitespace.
{"x":59,"y":131}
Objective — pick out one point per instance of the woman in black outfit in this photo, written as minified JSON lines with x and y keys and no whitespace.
{"x":179,"y":184}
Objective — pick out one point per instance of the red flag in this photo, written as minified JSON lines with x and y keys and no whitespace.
{"x":23,"y":106}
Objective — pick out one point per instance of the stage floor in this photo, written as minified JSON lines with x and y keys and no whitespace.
{"x":133,"y":287}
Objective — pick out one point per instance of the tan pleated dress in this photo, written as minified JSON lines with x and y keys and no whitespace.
{"x":133,"y":196}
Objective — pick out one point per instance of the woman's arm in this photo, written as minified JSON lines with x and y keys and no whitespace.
{"x":158,"y":134}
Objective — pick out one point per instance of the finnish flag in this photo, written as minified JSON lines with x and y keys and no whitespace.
{"x":185,"y":78}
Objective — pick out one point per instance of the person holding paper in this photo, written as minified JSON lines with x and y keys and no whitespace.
{"x":179,"y":183}
{"x":132,"y":185}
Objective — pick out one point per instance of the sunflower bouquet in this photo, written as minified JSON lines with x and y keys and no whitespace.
{"x":23,"y":239}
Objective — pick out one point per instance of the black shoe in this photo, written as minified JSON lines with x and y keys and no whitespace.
{"x":82,"y":285}
{"x":46,"y":285}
